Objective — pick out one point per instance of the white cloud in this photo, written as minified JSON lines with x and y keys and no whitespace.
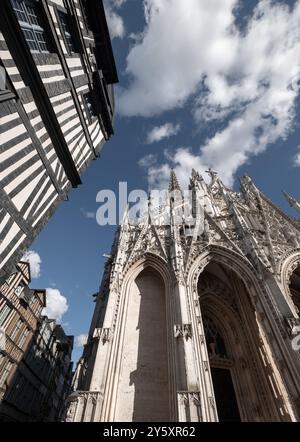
{"x":114,"y":20}
{"x":80,"y":340}
{"x":35,"y":263}
{"x":158,"y":133}
{"x":147,"y":160}
{"x":56,"y":304}
{"x":168,"y":64}
{"x":297,"y":158}
{"x":88,"y":214}
{"x":248,"y":79}
{"x":183,"y":162}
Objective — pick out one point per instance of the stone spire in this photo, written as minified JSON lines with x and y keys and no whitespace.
{"x":292,"y":201}
{"x":173,"y":183}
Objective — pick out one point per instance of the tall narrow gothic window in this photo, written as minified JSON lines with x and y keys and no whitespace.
{"x":30,"y":20}
{"x":215,"y":342}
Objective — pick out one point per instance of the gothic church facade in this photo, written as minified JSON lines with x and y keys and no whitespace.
{"x":197,"y":324}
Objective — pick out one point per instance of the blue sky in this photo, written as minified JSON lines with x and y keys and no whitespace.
{"x":223,"y":80}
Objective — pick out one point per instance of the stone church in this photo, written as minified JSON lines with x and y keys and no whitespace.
{"x":197,"y":323}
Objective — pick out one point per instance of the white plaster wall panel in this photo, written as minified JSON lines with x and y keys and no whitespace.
{"x":83,"y":88}
{"x":30,"y":107}
{"x":46,"y":194}
{"x":59,"y":3}
{"x":46,"y":144}
{"x":9,"y":237}
{"x":98,"y":139}
{"x":77,"y":73}
{"x":64,"y":106}
{"x":75,"y":131}
{"x":7,"y":153}
{"x":39,"y":191}
{"x":53,"y":79}
{"x":73,"y":123}
{"x":15,"y":247}
{"x":22,"y":177}
{"x":8,"y":118}
{"x":51,"y":202}
{"x":13,"y":133}
{"x":73,"y":62}
{"x":60,"y":97}
{"x":49,"y":67}
{"x":4,"y":221}
{"x":17,"y":164}
{"x":20,"y":199}
{"x":68,"y":114}
{"x":6,"y":55}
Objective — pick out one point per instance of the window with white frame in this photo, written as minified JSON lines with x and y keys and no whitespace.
{"x":29,"y":18}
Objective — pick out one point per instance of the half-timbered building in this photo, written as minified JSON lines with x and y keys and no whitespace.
{"x":57,"y":72}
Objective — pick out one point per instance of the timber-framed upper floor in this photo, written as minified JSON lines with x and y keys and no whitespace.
{"x":57,"y":72}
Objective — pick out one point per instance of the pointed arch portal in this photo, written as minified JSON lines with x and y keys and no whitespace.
{"x":143,"y":386}
{"x":242,"y":376}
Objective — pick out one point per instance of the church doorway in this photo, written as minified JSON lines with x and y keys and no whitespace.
{"x":220,"y":364}
{"x":228,"y":410}
{"x":243,"y":379}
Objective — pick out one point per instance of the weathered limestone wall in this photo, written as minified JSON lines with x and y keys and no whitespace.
{"x":143,"y":391}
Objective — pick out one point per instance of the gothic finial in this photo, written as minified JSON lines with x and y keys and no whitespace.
{"x":247,"y":184}
{"x":173,"y":183}
{"x":196,"y":175}
{"x":292,"y":201}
